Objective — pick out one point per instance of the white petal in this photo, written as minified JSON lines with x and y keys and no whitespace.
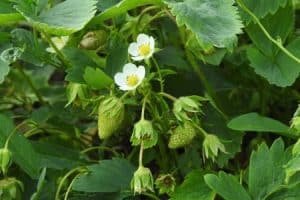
{"x":141,"y":72}
{"x":50,"y":50}
{"x":120,"y":79}
{"x":129,"y":68}
{"x":133,"y":49}
{"x":65,"y":39}
{"x":142,"y":39}
{"x":138,"y":58}
{"x":152,"y":43}
{"x":126,"y":87}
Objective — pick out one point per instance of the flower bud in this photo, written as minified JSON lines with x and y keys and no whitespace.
{"x":165,"y":183}
{"x":182,"y":135}
{"x":211,"y":146}
{"x":144,"y":131}
{"x":142,"y":180}
{"x":110,"y":116}
{"x":11,"y":189}
{"x":5,"y":159}
{"x":185,"y":105}
{"x":93,"y":40}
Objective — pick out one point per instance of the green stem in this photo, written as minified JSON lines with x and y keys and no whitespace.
{"x":168,"y":96}
{"x":143,"y":108}
{"x":100,"y":148}
{"x":125,"y":95}
{"x":277,"y":43}
{"x":65,"y":178}
{"x":201,"y":76}
{"x":32,"y":86}
{"x":12,"y":133}
{"x":70,"y":186}
{"x":141,"y":154}
{"x":161,"y":82}
{"x":204,"y":133}
{"x":60,"y":55}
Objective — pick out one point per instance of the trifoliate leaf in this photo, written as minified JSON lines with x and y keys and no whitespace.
{"x":215,"y":22}
{"x":62,"y":19}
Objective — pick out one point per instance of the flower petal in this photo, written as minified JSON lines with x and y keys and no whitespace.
{"x":142,"y":39}
{"x":125,"y":88}
{"x":151,"y":43}
{"x":133,"y":49}
{"x":129,"y":68}
{"x":120,"y":79}
{"x":141,"y":72}
{"x":50,"y":50}
{"x":138,"y":58}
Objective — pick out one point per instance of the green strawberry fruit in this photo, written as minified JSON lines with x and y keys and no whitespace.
{"x":110,"y":116}
{"x":182,"y":135}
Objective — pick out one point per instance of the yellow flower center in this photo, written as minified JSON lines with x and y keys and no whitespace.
{"x":132,"y":80}
{"x":144,"y":49}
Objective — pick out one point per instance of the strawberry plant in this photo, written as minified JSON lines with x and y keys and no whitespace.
{"x":149,"y":99}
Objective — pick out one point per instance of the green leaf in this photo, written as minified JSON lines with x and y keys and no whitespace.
{"x":117,"y":55}
{"x":23,"y":152}
{"x":280,"y":70}
{"x":170,"y":56}
{"x":120,"y":8}
{"x":103,"y":5}
{"x":261,"y":8}
{"x":107,"y":176}
{"x":79,"y":59}
{"x":34,"y":52}
{"x":258,"y":123}
{"x":63,"y":19}
{"x":55,"y":156}
{"x":96,"y":78}
{"x":7,"y":14}
{"x":226,"y":186}
{"x":290,"y":192}
{"x":278,"y":25}
{"x":40,"y":185}
{"x":193,"y":188}
{"x":266,"y":172}
{"x":215,"y":22}
{"x":292,"y":167}
{"x":4,"y":70}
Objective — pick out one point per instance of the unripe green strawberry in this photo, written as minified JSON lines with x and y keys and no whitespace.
{"x":110,"y":116}
{"x":182,"y":135}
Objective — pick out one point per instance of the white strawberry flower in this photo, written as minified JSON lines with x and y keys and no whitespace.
{"x":59,"y":42}
{"x":131,"y":77}
{"x":143,"y":48}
